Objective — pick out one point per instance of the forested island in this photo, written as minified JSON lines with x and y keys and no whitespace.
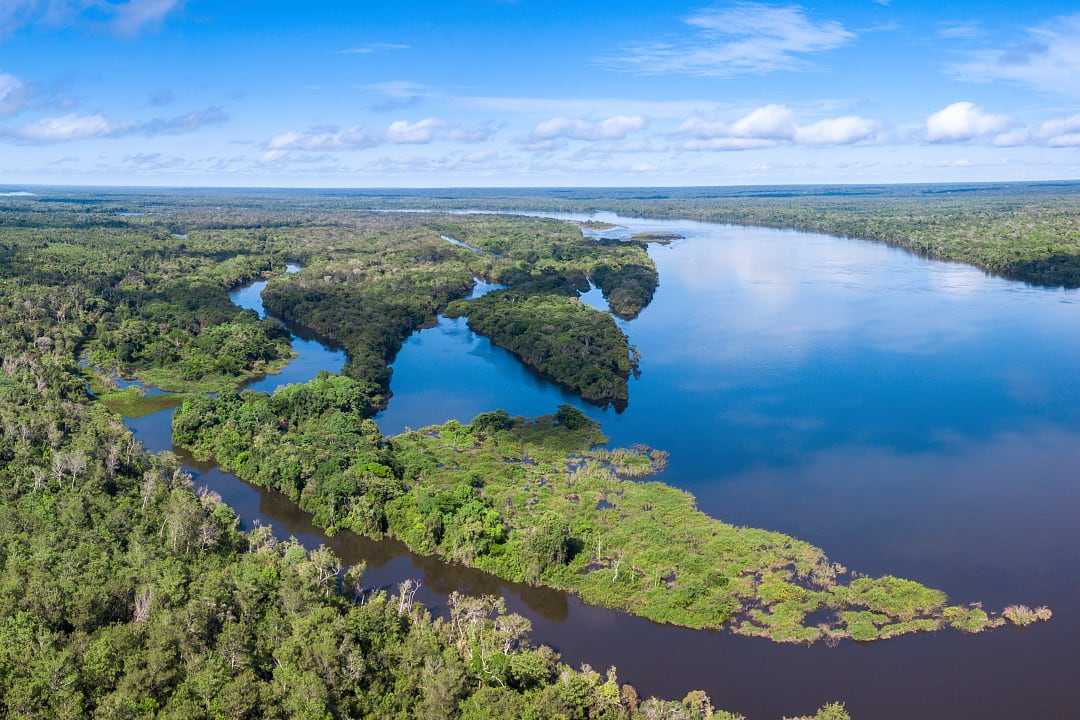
{"x":128,"y":591}
{"x":578,"y":346}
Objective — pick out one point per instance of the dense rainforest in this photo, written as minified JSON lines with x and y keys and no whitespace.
{"x":126,"y":591}
{"x":580,"y":347}
{"x":372,"y":281}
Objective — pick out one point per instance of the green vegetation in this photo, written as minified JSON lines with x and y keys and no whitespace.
{"x":578,"y":346}
{"x":160,"y":304}
{"x":158,"y":307}
{"x":133,"y":402}
{"x":367,"y":287}
{"x":660,"y":238}
{"x":1022,"y":231}
{"x":125,"y":592}
{"x":525,"y":250}
{"x":534,"y":501}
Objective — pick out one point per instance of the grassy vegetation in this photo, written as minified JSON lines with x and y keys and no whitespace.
{"x":535,"y":501}
{"x":578,"y":346}
{"x":134,"y":403}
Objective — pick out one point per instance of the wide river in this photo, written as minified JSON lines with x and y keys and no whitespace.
{"x":909,"y":416}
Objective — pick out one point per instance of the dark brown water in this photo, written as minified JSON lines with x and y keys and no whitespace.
{"x":910,"y":417}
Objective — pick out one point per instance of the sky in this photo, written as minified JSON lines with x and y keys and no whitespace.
{"x":536,"y":92}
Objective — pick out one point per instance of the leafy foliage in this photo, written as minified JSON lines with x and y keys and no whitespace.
{"x":576,"y":345}
{"x":535,"y":501}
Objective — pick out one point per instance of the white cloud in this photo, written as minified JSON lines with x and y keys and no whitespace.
{"x":287,"y":145}
{"x":12,"y":94}
{"x":745,"y":38}
{"x":1048,"y":59}
{"x":73,"y":126}
{"x":1012,"y":138}
{"x":772,"y":122}
{"x":963,"y":121}
{"x":320,"y":140}
{"x":837,"y":131}
{"x":615,"y":127}
{"x":419,"y":132}
{"x":772,"y":125}
{"x":1060,"y":126}
{"x":66,"y":127}
{"x":1061,"y":132}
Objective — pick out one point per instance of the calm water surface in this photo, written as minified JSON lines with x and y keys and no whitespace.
{"x":909,"y":416}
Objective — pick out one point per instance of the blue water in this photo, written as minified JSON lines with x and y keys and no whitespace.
{"x":908,"y":416}
{"x":311,"y":356}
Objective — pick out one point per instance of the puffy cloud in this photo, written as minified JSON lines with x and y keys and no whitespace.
{"x":745,"y":38}
{"x":771,"y":122}
{"x":963,"y":121}
{"x":837,"y":131}
{"x":1012,"y":138}
{"x":417,"y":133}
{"x":771,"y":125}
{"x":1048,"y":58}
{"x":615,"y":127}
{"x":12,"y":94}
{"x":1061,"y":132}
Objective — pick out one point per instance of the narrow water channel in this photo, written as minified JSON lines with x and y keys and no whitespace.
{"x":909,"y":416}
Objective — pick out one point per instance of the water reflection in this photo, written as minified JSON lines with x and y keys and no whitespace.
{"x":909,"y":416}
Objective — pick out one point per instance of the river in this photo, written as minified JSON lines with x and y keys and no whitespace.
{"x":909,"y":416}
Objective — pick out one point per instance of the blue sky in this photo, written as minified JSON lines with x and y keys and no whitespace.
{"x":536,"y":92}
